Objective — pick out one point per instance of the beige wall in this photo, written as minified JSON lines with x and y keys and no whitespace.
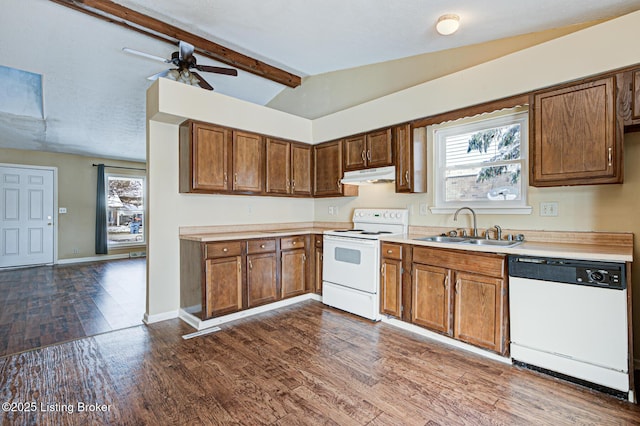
{"x":76,"y":191}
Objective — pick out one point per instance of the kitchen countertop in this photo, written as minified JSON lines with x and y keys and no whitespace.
{"x":251,"y":234}
{"x":601,"y":252}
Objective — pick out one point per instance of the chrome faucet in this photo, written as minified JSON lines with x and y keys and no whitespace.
{"x":475,"y":226}
{"x":498,"y":232}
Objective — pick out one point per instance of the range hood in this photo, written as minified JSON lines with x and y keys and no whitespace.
{"x":370,"y":176}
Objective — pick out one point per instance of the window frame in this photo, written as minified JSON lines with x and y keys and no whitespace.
{"x":439,"y":134}
{"x":143,"y":242}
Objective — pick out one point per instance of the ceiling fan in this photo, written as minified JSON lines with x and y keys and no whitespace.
{"x":185,"y":62}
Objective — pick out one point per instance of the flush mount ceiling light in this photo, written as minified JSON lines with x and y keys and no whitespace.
{"x":448,"y":24}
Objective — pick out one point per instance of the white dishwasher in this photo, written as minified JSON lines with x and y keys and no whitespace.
{"x":570,"y":317}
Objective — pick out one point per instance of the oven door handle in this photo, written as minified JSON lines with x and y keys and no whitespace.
{"x":353,"y":241}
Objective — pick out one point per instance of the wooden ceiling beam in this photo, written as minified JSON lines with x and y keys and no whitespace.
{"x":128,"y":18}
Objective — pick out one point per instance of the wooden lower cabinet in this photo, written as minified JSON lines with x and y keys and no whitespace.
{"x":262,"y":284}
{"x":391,"y":280}
{"x":223,"y":292}
{"x":317,"y":265}
{"x":294,"y":267}
{"x":462,"y":295}
{"x":479,"y":310}
{"x":431,"y":299}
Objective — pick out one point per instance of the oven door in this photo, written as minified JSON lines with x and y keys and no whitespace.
{"x":351,"y":262}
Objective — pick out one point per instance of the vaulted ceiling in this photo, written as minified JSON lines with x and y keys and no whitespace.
{"x":94,"y":93}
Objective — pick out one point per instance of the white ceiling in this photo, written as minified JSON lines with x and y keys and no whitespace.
{"x":94,"y":94}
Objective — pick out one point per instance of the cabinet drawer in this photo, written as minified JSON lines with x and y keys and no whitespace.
{"x":392,"y":251}
{"x":224,"y":249}
{"x":488,"y":264}
{"x":261,"y":246}
{"x":292,"y":242}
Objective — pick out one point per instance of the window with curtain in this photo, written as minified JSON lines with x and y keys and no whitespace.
{"x":125,"y":210}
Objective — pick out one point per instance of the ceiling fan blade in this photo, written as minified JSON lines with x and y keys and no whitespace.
{"x":145,"y":55}
{"x":158,"y":75}
{"x":186,"y":51}
{"x":203,"y":83}
{"x":217,"y":70}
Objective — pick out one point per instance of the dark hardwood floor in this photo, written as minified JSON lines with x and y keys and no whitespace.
{"x":303,"y":364}
{"x":44,"y":305}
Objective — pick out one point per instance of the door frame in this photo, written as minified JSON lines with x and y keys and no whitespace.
{"x":55,"y":204}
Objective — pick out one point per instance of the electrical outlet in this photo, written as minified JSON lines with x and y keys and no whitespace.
{"x":549,"y":209}
{"x":331,"y":210}
{"x":423,"y":209}
{"x":62,"y":210}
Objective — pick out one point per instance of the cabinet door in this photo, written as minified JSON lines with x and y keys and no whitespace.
{"x":223,"y":285}
{"x":379,"y":149}
{"x":278,"y":166}
{"x":261,"y":279}
{"x":479,"y":311}
{"x":293,"y":275}
{"x":404,"y":168}
{"x":355,"y":153}
{"x":576,"y":141}
{"x":247,"y":162}
{"x":391,"y":287}
{"x":301,"y":168}
{"x":430,"y":299}
{"x":317,"y":276}
{"x":328,"y":169}
{"x":204,"y":157}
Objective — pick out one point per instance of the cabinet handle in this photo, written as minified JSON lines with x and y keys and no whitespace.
{"x":250,"y":264}
{"x":383,"y":268}
{"x":457,"y":285}
{"x":390,"y":251}
{"x":406,"y":176}
{"x":304,"y":257}
{"x":235,"y":178}
{"x":338,"y":183}
{"x":294,"y":242}
{"x":362,"y":154}
{"x":225,"y":178}
{"x":610,"y":156}
{"x":446,"y":282}
{"x":293,"y":184}
{"x":369,"y":155}
{"x":225,"y":249}
{"x":262,"y":246}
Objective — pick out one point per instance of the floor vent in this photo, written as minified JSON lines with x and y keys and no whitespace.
{"x":137,"y":254}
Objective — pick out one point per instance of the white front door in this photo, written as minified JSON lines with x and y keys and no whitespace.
{"x":26,"y":216}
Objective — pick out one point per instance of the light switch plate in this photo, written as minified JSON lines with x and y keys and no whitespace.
{"x":549,"y":209}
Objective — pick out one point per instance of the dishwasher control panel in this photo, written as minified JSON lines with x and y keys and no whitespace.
{"x":584,"y":272}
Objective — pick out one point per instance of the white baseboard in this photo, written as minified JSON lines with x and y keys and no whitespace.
{"x":150,"y":319}
{"x":92,"y":258}
{"x":443,"y":339}
{"x":199,"y":324}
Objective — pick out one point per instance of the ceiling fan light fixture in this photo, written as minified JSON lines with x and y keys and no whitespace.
{"x":448,"y":24}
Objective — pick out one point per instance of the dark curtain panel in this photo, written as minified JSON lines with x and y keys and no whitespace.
{"x":101,"y":213}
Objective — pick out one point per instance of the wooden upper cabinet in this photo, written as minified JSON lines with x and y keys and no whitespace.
{"x":373,"y":149}
{"x":328,"y":170}
{"x":278,"y":166}
{"x":204,"y":157}
{"x":479,"y":311}
{"x":248,"y":172}
{"x":301,"y":169}
{"x":576,"y":135}
{"x":355,"y":152}
{"x":379,"y":148}
{"x":628,"y":83}
{"x":404,"y":169}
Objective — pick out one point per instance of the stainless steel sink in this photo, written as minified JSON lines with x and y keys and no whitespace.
{"x":443,"y":239}
{"x":469,"y":240}
{"x":499,"y":243}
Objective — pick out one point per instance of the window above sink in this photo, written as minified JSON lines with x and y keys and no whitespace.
{"x":481,"y":162}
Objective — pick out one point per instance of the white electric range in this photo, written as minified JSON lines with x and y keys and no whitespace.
{"x":351,"y":260}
